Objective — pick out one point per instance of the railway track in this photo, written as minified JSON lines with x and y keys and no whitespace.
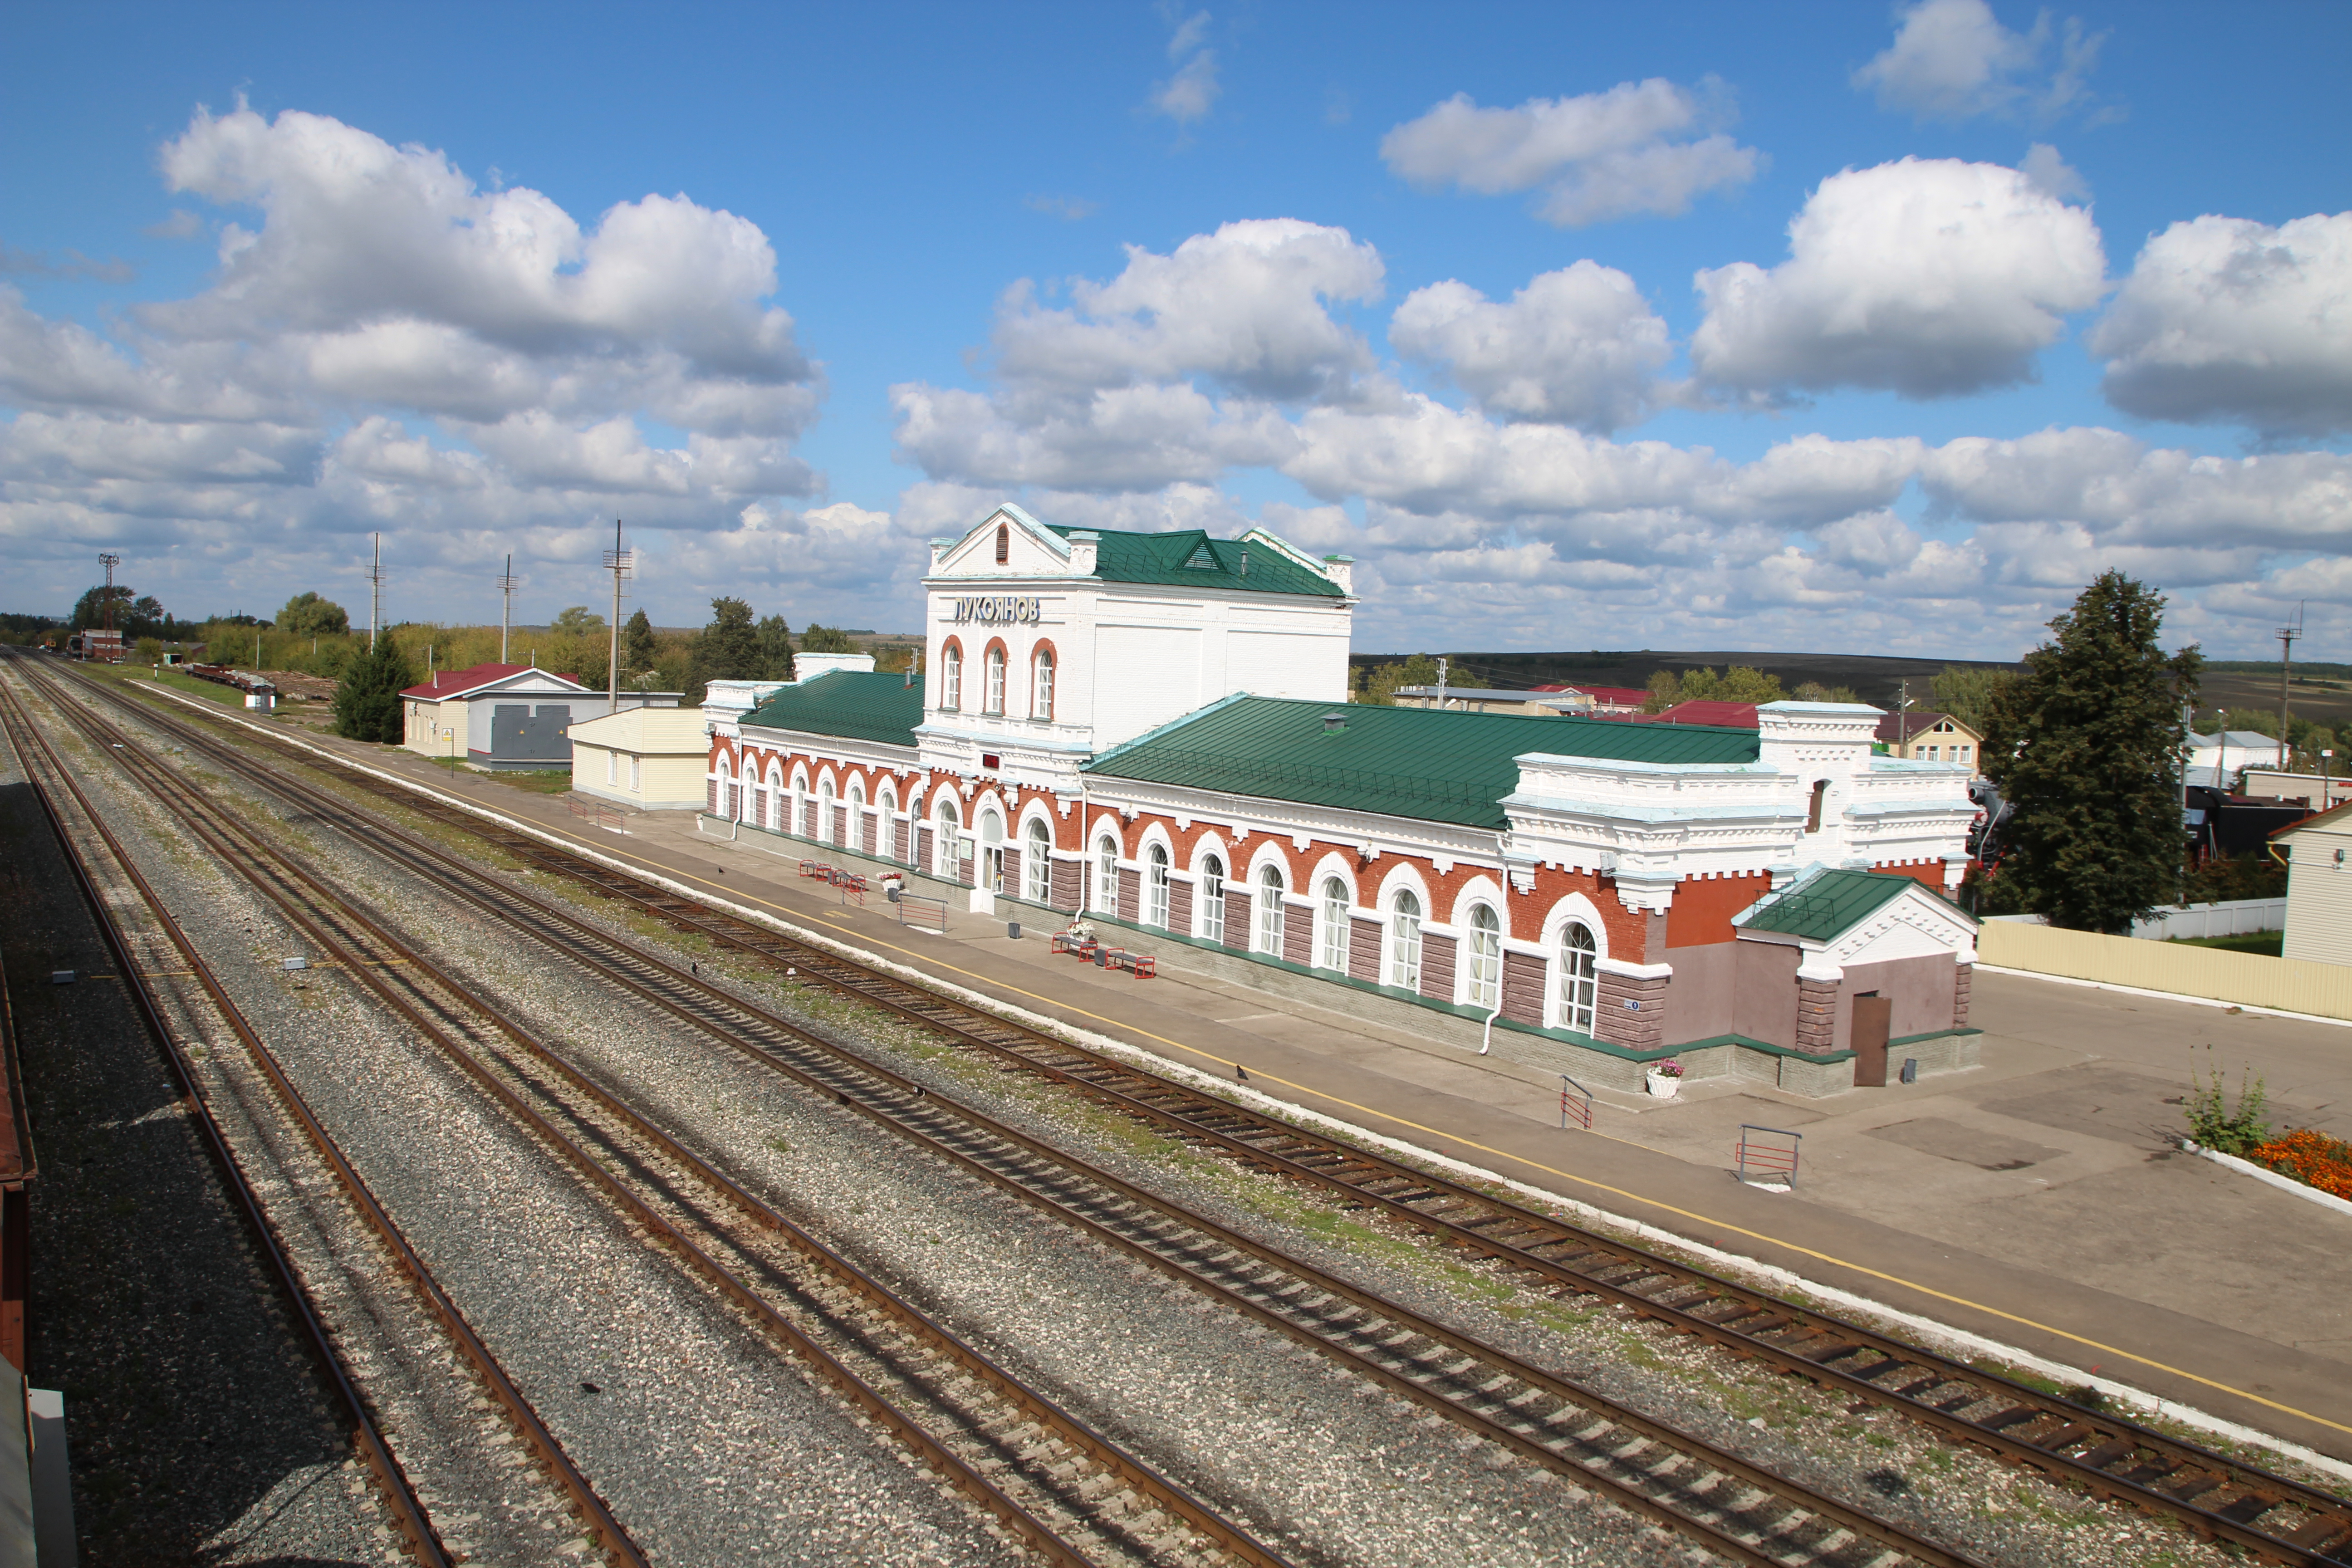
{"x":2214,"y":1495}
{"x":95,"y":855}
{"x":1062,"y":1489}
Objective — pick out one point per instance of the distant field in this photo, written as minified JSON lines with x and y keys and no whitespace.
{"x":2320,"y":693}
{"x":1874,"y":676}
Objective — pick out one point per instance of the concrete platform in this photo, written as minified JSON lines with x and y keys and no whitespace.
{"x":2034,"y":1199}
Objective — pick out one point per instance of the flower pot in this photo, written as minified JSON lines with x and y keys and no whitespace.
{"x":1662,"y":1085}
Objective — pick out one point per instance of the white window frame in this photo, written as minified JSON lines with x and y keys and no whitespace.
{"x":1155,"y":885}
{"x":636,"y":774}
{"x":1211,"y":914}
{"x":1107,"y":876}
{"x":945,"y":826}
{"x":1404,"y":940}
{"x":1040,"y":685}
{"x":1037,"y":863}
{"x":993,"y":697}
{"x":1332,"y":941}
{"x":1267,"y":909}
{"x":951,"y":678}
{"x":612,"y":767}
{"x":1483,"y":959}
{"x":1576,"y":991}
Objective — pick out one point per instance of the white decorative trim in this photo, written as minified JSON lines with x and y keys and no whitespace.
{"x":1819,"y":965}
{"x":1625,"y":971}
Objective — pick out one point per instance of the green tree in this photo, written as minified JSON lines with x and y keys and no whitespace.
{"x":1968,"y":694}
{"x":2086,"y":746}
{"x":308,"y":616}
{"x":1741,"y":684}
{"x":639,"y":652}
{"x":2260,"y":720}
{"x":726,"y":649}
{"x":1666,"y":690}
{"x":776,"y":648}
{"x":826,"y":639}
{"x":1814,"y":692}
{"x":367,"y":698}
{"x":90,"y":610}
{"x":577,"y":618}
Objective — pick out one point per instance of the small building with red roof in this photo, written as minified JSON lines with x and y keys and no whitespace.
{"x":507,"y":715}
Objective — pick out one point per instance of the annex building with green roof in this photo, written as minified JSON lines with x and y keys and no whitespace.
{"x":1152,"y":731}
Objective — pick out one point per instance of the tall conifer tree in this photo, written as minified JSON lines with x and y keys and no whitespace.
{"x":367,"y":694}
{"x":2086,"y":746}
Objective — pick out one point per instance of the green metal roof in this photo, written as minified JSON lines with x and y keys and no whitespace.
{"x":1191,"y":559}
{"x":1420,"y":763}
{"x":849,"y":703}
{"x":1828,"y":904}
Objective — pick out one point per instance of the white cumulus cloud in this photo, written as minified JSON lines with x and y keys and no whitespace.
{"x":1928,"y":277}
{"x":1578,"y":346}
{"x":1953,"y":60}
{"x":2228,"y":319}
{"x":1641,"y":147}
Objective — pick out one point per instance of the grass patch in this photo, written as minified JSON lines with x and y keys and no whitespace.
{"x":2268,"y":943}
{"x":536,"y":781}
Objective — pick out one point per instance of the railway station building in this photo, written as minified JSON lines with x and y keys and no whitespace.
{"x":1152,"y":731}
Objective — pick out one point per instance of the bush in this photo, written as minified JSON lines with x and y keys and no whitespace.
{"x":2213,"y":1125}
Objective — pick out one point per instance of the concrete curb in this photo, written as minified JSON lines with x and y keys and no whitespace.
{"x":2272,"y":1178}
{"x":1930,"y":1332}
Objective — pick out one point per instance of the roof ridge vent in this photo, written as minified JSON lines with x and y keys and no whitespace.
{"x":1334,"y":722}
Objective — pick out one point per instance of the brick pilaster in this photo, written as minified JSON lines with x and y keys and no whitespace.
{"x":1817,"y":1015}
{"x":1963,"y":980}
{"x":1643,"y":1026}
{"x":1238,"y":906}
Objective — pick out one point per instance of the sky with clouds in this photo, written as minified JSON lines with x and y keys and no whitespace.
{"x":1809,"y":327}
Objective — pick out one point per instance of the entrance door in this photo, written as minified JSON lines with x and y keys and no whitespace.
{"x":1874,"y":1016}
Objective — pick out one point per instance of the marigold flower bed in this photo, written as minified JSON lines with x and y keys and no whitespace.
{"x":2310,"y":1157}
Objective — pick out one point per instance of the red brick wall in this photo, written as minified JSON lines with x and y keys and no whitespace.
{"x":1703,"y":908}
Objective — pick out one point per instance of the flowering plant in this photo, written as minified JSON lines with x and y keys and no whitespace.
{"x":1668,"y":1068}
{"x":2310,"y":1157}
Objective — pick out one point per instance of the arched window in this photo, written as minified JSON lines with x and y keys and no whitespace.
{"x":1004,"y":544}
{"x":950,"y":678}
{"x":1155,"y":886}
{"x":991,"y":852}
{"x":1040,"y":685}
{"x":1212,"y":900}
{"x":943,"y":840}
{"x":886,"y":809}
{"x":995,"y":696}
{"x":1107,"y":876}
{"x":1485,"y":952}
{"x":825,"y":828}
{"x":853,"y":835}
{"x":1037,"y":864}
{"x":1578,"y":980}
{"x":1269,"y":911}
{"x":776,"y":802}
{"x":1404,"y":942}
{"x":722,"y":797}
{"x":1332,"y":942}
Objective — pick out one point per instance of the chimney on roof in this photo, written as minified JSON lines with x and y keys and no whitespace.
{"x":1334,"y":722}
{"x":1245,"y":560}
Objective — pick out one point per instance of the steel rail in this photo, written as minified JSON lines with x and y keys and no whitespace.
{"x":1472,"y":1403}
{"x":2107,"y":1454}
{"x":1106,"y":1455}
{"x":423,"y":1541}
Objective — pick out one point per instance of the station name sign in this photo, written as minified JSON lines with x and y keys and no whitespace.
{"x":991,"y":609}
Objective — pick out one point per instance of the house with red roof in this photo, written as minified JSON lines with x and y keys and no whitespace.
{"x":507,"y":715}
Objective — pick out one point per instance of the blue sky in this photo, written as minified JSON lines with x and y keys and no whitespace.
{"x":1723,"y":326}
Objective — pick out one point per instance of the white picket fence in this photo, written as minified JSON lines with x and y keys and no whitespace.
{"x":2234,"y":918}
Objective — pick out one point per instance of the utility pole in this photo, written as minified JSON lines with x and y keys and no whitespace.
{"x":1902,"y":717}
{"x":507,"y":585}
{"x":376,"y":592}
{"x":2286,"y":635}
{"x":618,"y":561}
{"x":1441,"y":680}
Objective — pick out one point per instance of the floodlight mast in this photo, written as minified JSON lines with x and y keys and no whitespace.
{"x":109,"y":559}
{"x":620,"y":562}
{"x":2286,"y":635}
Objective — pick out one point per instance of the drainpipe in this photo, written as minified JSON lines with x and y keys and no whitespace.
{"x":1486,"y":1040}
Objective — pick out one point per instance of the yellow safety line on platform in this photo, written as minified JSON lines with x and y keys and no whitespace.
{"x":1929,"y":1290}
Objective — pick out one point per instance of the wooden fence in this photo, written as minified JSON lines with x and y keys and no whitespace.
{"x":2248,"y":979}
